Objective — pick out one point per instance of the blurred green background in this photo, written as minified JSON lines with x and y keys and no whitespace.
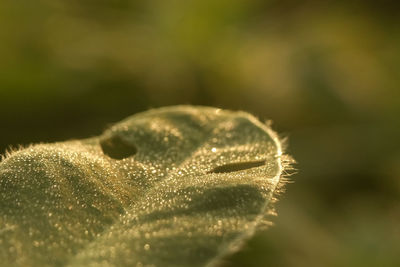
{"x":326,"y":72}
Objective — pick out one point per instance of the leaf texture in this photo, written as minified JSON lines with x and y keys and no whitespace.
{"x":176,"y":186}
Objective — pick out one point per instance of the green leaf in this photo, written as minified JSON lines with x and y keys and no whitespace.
{"x":176,"y":186}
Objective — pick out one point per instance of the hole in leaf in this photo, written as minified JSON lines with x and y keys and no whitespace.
{"x":117,"y":148}
{"x":239,"y":166}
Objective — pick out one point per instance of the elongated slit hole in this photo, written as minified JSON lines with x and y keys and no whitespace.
{"x":238,"y":166}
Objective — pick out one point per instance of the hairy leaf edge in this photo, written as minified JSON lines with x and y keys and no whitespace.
{"x":263,"y":220}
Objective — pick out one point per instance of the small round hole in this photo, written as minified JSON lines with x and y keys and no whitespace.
{"x":117,"y":148}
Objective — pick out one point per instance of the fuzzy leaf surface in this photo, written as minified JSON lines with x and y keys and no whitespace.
{"x":176,"y":186}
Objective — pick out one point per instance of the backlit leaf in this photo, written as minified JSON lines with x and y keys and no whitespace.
{"x":176,"y":186}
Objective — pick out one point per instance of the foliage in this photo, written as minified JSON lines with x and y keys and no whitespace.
{"x":176,"y":186}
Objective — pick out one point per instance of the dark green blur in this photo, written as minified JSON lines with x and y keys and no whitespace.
{"x":326,"y":72}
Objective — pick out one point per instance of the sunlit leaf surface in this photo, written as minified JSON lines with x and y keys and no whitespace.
{"x":177,"y":186}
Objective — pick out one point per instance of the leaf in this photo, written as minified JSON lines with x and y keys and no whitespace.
{"x":176,"y":186}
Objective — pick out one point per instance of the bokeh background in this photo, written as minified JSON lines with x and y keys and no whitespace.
{"x":326,"y":72}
